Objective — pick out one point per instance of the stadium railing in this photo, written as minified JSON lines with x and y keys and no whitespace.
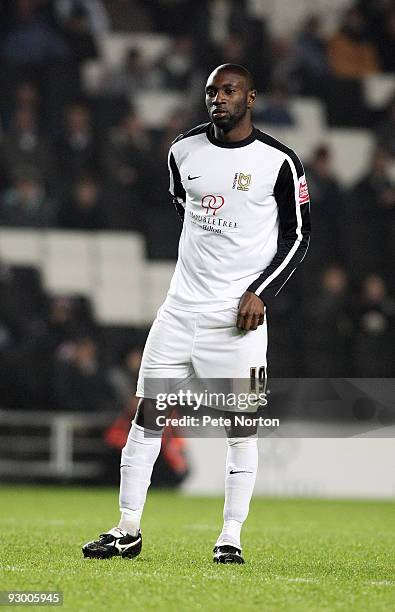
{"x":47,"y":445}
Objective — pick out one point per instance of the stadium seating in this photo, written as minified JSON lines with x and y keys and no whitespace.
{"x":351,"y":150}
{"x":284,"y":21}
{"x":158,"y":275}
{"x":155,"y":109}
{"x":21,"y":246}
{"x":379,"y":89}
{"x":115,"y":45}
{"x":67,"y":262}
{"x":119,"y":281}
{"x":109,"y":268}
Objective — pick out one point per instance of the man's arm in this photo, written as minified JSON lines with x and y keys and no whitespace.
{"x":293,"y":204}
{"x":176,"y":187}
{"x":292,"y":199}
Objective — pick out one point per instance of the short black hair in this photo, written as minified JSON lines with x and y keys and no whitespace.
{"x":240,"y":70}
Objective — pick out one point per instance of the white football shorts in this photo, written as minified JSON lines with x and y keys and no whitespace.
{"x":186,"y":345}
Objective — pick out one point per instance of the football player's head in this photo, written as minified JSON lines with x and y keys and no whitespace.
{"x":230,"y":95}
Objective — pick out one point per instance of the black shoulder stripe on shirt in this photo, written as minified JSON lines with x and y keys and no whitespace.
{"x":272,"y":142}
{"x":199,"y":129}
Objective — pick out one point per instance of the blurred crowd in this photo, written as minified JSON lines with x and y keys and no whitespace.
{"x":73,"y":159}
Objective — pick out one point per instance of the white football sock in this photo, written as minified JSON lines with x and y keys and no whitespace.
{"x":137,"y":461}
{"x":241,"y":469}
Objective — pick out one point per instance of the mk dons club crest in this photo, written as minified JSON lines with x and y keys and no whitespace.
{"x":242,"y":181}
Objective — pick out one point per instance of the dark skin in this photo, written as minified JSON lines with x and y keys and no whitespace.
{"x":229,"y":101}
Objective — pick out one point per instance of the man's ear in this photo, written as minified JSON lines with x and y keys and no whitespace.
{"x":251,"y":98}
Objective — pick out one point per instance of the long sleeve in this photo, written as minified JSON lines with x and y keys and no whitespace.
{"x":292,"y":197}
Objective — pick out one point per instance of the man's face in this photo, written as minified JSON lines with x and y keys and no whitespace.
{"x":227,"y":98}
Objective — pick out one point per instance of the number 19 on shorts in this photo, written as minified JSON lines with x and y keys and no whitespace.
{"x":258,"y":378}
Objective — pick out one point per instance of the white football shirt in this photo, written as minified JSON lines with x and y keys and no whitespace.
{"x":246,"y":218}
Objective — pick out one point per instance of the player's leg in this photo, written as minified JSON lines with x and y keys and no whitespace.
{"x":137,"y":461}
{"x":223,"y":351}
{"x":166,"y":358}
{"x":240,"y":475}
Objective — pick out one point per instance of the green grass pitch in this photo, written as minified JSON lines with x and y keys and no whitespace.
{"x":300,"y":554}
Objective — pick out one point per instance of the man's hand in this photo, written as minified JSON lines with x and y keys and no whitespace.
{"x":251,"y":312}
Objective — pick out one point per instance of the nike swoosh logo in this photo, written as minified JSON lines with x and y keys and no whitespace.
{"x":192,"y":178}
{"x":123,"y":547}
{"x":240,"y":472}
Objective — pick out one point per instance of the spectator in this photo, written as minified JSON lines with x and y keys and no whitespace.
{"x":26,"y":204}
{"x":31,"y":39}
{"x":66,"y":315}
{"x":85,"y":210}
{"x":25,"y":149}
{"x":375,"y":341}
{"x":25,"y":97}
{"x":76,"y":23}
{"x":12,"y":320}
{"x":372,"y":216}
{"x":231,"y":33}
{"x":311,"y":57}
{"x":351,"y":54}
{"x":176,"y":124}
{"x":129,"y":16}
{"x":134,"y":76}
{"x":387,"y":44}
{"x":328,"y":215}
{"x":379,"y":14}
{"x":330,"y":325}
{"x":33,"y":360}
{"x":95,"y":14}
{"x":24,"y":363}
{"x":285,"y":66}
{"x":174,"y":18}
{"x":375,"y":12}
{"x":283,"y":362}
{"x":161,"y":209}
{"x":76,"y":147}
{"x":123,"y":376}
{"x":276,"y":110}
{"x":34,"y":49}
{"x":386,"y":130}
{"x":128,"y":172}
{"x":80,"y":380}
{"x":176,"y":67}
{"x":9,"y":328}
{"x":233,"y":51}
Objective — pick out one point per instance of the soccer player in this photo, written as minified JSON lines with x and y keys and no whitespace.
{"x":246,"y":226}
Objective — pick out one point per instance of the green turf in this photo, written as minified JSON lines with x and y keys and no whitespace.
{"x":300,"y":554}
